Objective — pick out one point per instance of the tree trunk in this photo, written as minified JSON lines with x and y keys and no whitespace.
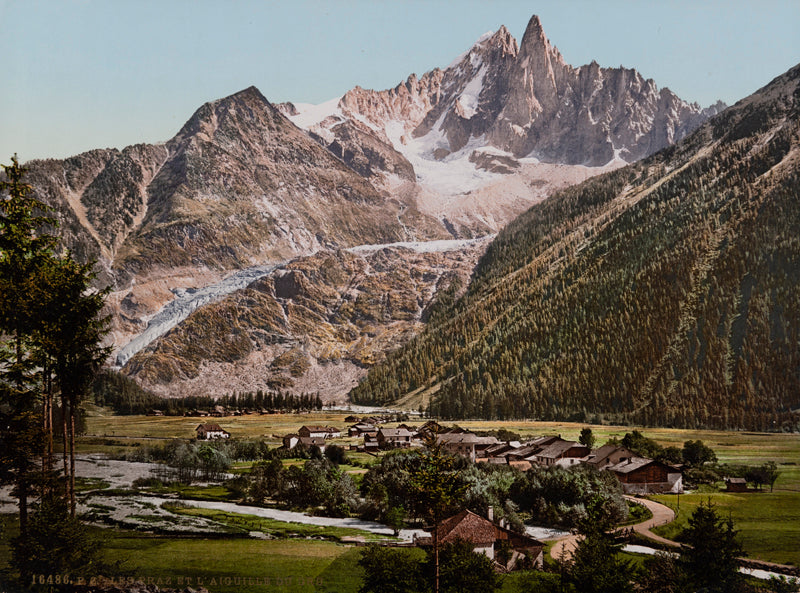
{"x":72,"y":458}
{"x":65,"y":440}
{"x":436,"y":555}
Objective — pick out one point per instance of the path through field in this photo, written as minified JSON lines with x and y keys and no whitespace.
{"x":662,"y":514}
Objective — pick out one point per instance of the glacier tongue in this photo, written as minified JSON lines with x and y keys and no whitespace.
{"x":186,"y":301}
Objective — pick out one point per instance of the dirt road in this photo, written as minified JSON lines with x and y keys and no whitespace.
{"x":662,"y":514}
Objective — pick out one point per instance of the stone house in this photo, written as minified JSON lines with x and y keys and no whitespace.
{"x":394,"y":438}
{"x":321,"y":432}
{"x":362,"y":428}
{"x":466,"y":444}
{"x":207,"y":432}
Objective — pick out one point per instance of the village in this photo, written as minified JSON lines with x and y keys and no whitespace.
{"x":638,"y":475}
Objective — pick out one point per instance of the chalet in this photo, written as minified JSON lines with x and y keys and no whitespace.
{"x":431,"y":427}
{"x":351,"y":419}
{"x":290,"y":441}
{"x":322,"y":432}
{"x":524,"y":453}
{"x":371,"y":444}
{"x":486,"y":537}
{"x":641,"y":475}
{"x":207,"y":432}
{"x":735,"y":485}
{"x":561,"y":452}
{"x":394,"y":438}
{"x":498,"y":453}
{"x":608,"y":455}
{"x":465,"y":444}
{"x":362,"y":428}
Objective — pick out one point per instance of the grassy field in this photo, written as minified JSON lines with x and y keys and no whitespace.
{"x":238,"y":565}
{"x":768,"y":523}
{"x":233,"y":565}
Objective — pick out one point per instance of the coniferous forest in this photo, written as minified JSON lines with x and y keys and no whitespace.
{"x":663,"y":293}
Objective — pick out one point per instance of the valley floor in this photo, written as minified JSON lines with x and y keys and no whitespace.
{"x":219,"y":530}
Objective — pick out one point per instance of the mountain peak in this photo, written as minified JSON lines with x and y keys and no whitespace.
{"x":534,"y":31}
{"x":504,"y":40}
{"x":250,"y":92}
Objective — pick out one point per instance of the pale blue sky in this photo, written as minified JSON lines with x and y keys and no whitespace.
{"x":83,"y":74}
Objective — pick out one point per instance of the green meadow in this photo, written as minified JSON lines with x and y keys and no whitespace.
{"x":768,"y":522}
{"x":236,"y":565}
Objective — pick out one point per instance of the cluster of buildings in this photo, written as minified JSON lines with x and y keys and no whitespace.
{"x":638,"y":475}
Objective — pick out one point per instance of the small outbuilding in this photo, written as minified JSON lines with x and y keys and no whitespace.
{"x":735,"y":485}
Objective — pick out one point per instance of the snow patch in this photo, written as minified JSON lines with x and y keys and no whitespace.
{"x":469,"y":96}
{"x":312,"y":115}
{"x":463,"y":55}
{"x":454,"y":174}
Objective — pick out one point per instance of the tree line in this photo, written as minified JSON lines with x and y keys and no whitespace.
{"x":126,"y":397}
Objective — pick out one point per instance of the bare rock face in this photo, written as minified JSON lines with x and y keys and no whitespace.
{"x":244,"y":185}
{"x":314,"y":325}
{"x":527,"y":101}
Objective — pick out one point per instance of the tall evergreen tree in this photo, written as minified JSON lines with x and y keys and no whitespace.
{"x":50,"y":334}
{"x":71,"y":334}
{"x":710,"y":551}
{"x":595,"y":566}
{"x":24,"y":251}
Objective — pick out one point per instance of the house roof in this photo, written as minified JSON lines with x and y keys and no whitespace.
{"x":395,"y":432}
{"x":558,"y":449}
{"x":431,"y":425}
{"x":544,"y":441}
{"x":635,"y":463}
{"x":736,"y":480}
{"x":499,"y":449}
{"x":209,"y":428}
{"x":318,"y":428}
{"x":525,"y":452}
{"x":473,"y":528}
{"x":468,"y":526}
{"x":601,"y":454}
{"x":365,"y":426}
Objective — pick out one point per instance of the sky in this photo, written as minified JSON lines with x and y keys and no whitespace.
{"x":84,"y":74}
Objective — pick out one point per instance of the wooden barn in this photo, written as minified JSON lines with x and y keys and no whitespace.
{"x":640,"y":475}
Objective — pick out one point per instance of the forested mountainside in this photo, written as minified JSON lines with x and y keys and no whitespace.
{"x":666,"y":292}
